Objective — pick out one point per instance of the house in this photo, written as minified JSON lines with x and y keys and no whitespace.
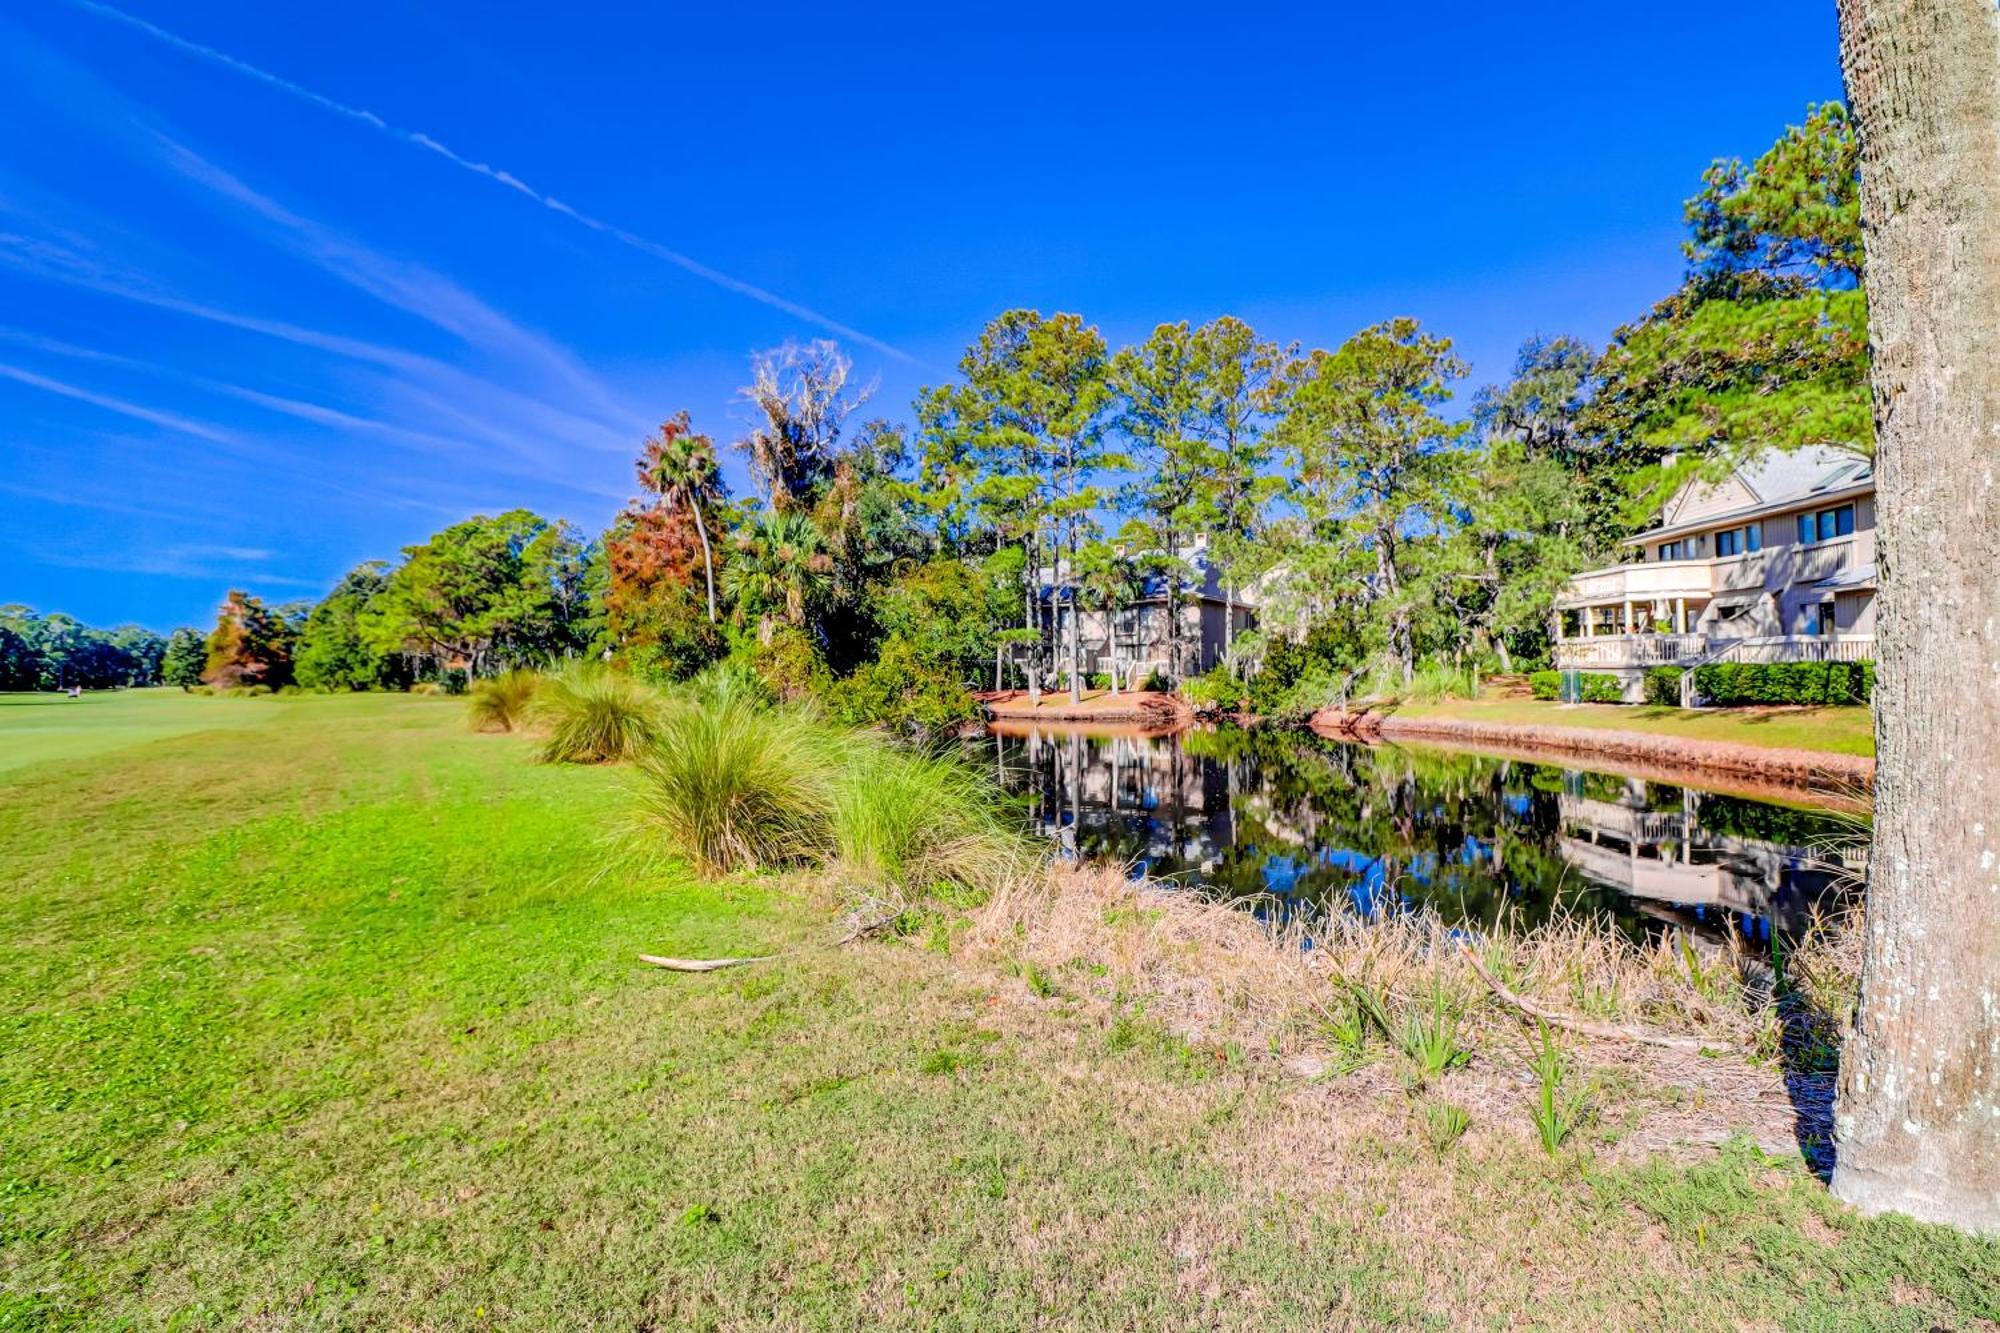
{"x":1774,"y":563}
{"x":1137,"y":635}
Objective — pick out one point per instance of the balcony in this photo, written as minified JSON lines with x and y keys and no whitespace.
{"x":1773,"y":568}
{"x":1632,"y":652}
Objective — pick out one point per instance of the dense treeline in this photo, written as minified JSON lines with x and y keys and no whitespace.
{"x":55,"y":652}
{"x":886,"y":567}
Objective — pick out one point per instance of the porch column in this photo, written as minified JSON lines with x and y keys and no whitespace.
{"x":1628,"y":616}
{"x":1680,"y":615}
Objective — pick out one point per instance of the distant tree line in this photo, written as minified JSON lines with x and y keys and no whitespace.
{"x":55,"y":651}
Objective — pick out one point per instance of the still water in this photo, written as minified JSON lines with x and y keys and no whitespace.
{"x":1319,"y":823}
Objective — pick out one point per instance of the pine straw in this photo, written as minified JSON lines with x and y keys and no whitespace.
{"x":1218,"y":975}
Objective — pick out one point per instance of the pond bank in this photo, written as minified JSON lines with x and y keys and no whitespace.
{"x":1783,"y":766}
{"x":1153,"y":707}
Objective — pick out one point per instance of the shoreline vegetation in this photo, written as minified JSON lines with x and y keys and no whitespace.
{"x":375,"y":1036}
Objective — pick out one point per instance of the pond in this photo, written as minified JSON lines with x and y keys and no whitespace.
{"x":1316,"y":823}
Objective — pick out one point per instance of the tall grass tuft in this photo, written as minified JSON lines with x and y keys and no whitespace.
{"x":915,"y":820}
{"x":1556,"y":1110}
{"x":594,"y":715}
{"x":734,"y":784}
{"x":1436,"y":680}
{"x":737,"y":783}
{"x":505,"y":702}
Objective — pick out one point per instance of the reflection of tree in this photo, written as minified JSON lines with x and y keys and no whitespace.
{"x":1319,"y":823}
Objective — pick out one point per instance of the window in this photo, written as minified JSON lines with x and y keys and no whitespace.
{"x":1730,"y":542}
{"x":1670,"y":550}
{"x":1753,"y":537}
{"x":1826,"y":524}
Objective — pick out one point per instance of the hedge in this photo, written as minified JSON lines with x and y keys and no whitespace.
{"x":1597,"y":687}
{"x":1728,"y":684}
{"x":1663,"y":685}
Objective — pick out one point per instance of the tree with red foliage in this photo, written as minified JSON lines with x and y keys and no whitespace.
{"x":679,"y":467}
{"x":652,"y":607}
{"x":250,"y":645}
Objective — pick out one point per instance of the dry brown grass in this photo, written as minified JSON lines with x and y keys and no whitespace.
{"x":1216,"y":974}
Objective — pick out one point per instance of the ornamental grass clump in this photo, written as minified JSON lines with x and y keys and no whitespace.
{"x":735,"y":782}
{"x":505,"y":702}
{"x":917,"y":820}
{"x":590,"y":714}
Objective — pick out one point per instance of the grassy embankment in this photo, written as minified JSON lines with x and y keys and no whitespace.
{"x":1846,"y":730}
{"x":334,"y":1020}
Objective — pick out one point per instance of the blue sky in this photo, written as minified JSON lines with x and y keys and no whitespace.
{"x":256,"y":326}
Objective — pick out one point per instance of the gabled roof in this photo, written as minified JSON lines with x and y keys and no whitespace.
{"x":1777,"y":479}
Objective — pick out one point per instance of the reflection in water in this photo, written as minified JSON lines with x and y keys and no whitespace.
{"x":1318,"y":822}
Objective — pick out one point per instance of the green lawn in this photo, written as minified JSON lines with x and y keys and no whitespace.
{"x":1848,"y":730}
{"x":36,"y":727}
{"x":333,"y":1021}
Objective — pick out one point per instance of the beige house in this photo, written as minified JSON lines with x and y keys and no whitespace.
{"x":1137,"y":637}
{"x":1776,"y":563}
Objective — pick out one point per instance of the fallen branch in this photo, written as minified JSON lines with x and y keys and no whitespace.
{"x":864,"y":929}
{"x":1588,"y":1027}
{"x":704,"y":964}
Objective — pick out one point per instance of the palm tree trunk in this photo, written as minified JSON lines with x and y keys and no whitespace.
{"x":707,"y":559}
{"x":1917,"y":1115}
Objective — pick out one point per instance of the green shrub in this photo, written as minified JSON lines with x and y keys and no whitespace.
{"x":790,"y":664}
{"x":1593,"y":687}
{"x":1598,"y":687}
{"x":1098,"y":680}
{"x":1663,"y":685}
{"x":594,"y":715}
{"x":905,"y":692}
{"x":1217,"y":688}
{"x":505,"y":702}
{"x":1433,"y":681}
{"x":1736,"y":684}
{"x":455,"y":681}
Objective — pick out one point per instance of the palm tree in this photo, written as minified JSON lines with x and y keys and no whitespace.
{"x":781,"y":561}
{"x":679,"y":466}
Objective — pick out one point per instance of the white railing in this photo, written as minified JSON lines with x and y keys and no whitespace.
{"x":1773,"y":648}
{"x":1626,"y":651}
{"x":1629,"y":650}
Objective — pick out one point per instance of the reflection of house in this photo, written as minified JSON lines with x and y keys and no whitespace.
{"x":1137,"y":635}
{"x":1776,"y":563}
{"x":1666,"y":856}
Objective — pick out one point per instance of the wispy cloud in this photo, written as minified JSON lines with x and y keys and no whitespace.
{"x":411,"y":288}
{"x":644,"y":245}
{"x":137,"y":411}
{"x":538,"y":435}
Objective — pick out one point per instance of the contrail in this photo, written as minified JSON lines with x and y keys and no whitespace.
{"x":495,"y":174}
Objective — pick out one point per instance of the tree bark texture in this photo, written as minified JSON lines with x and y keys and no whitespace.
{"x":1917,"y":1120}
